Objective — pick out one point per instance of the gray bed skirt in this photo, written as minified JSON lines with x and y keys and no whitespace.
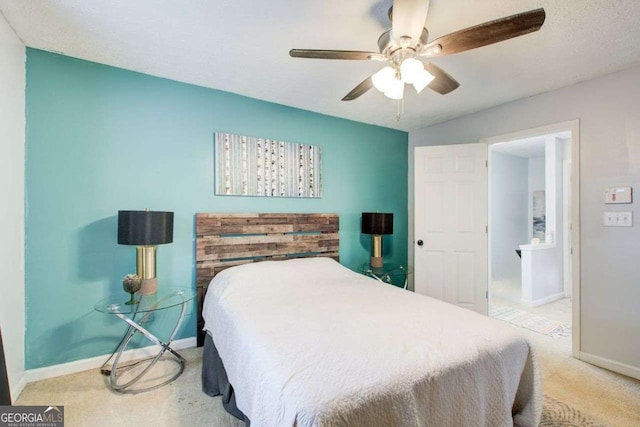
{"x":215,"y":381}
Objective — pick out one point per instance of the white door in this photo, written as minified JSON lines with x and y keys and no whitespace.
{"x":451,"y":224}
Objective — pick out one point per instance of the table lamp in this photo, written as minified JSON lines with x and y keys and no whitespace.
{"x":377,"y":224}
{"x":145,"y":229}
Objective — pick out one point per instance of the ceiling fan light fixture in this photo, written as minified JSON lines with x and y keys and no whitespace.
{"x":422,"y":80}
{"x":404,"y":53}
{"x":383,"y":79}
{"x":395,"y":89}
{"x":411,"y":70}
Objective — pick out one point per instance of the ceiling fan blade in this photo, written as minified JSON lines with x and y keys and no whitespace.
{"x":359,"y":90}
{"x":442,"y":83}
{"x":408,"y":17}
{"x":335,"y":54}
{"x":487,"y":33}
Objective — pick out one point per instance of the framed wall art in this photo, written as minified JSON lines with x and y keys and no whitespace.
{"x":251,"y":166}
{"x":539,"y":215}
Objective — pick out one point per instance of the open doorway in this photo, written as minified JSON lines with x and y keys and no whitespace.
{"x":530,"y":231}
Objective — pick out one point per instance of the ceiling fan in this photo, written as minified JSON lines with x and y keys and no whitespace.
{"x":405,"y":45}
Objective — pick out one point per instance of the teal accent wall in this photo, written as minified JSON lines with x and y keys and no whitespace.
{"x":102,"y":139}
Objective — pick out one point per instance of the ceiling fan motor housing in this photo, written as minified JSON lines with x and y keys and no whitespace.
{"x":397,"y":51}
{"x":390,"y":47}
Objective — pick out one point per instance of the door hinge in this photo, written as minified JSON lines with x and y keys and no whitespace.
{"x":486,"y":294}
{"x":486,"y":163}
{"x":486,"y":229}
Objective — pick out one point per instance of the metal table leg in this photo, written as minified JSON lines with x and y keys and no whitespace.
{"x":165,"y":346}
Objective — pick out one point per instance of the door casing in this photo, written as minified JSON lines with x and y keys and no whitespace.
{"x":574,"y":127}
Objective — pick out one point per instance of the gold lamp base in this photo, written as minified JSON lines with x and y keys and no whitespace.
{"x":376,"y":251}
{"x":149,"y":286}
{"x":146,"y":269}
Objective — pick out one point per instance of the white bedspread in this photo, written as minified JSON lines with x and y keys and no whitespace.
{"x":307,"y":342}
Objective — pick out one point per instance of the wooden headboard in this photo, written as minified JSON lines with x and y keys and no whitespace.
{"x":226,"y":240}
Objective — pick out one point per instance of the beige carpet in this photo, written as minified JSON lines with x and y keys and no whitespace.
{"x":88,"y":401}
{"x":576,"y":394}
{"x":559,"y":414}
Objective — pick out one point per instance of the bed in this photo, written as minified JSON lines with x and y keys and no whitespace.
{"x":308,"y":342}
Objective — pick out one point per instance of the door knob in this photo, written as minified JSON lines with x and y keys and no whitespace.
{"x":420,"y":242}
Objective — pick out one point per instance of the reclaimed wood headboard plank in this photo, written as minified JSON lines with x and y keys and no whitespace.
{"x":225,"y":240}
{"x":214,"y":248}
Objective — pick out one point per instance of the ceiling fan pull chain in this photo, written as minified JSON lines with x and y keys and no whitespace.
{"x":399,"y":109}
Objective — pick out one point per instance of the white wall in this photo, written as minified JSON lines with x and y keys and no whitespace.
{"x":608,"y":109}
{"x":509,"y":215}
{"x":12,"y":138}
{"x":546,"y":269}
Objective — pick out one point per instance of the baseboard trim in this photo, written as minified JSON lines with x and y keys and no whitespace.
{"x":38,"y":374}
{"x":621,"y":368}
{"x":17,"y":389}
{"x":542,"y":301}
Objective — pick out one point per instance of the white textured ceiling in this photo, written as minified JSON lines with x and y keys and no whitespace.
{"x":527,"y":148}
{"x":242,"y":46}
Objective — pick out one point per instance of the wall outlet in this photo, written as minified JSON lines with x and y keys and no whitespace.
{"x":618,"y":219}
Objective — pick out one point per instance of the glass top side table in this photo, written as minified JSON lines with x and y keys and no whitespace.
{"x":394,"y":274}
{"x":163,"y":299}
{"x":147,"y":305}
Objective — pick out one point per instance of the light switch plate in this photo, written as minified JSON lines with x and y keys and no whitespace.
{"x":618,"y":219}
{"x":625,"y":219}
{"x":608,"y":220}
{"x":618,"y":195}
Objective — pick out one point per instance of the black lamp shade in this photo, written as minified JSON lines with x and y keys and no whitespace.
{"x":377,"y":223}
{"x":145,"y":228}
